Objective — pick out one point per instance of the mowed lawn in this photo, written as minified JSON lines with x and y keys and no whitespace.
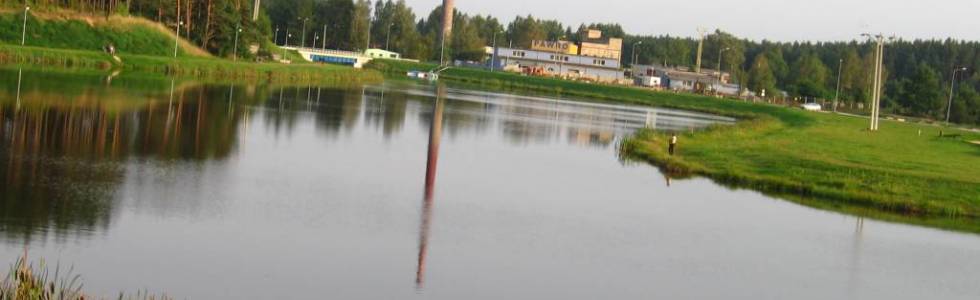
{"x":906,"y":168}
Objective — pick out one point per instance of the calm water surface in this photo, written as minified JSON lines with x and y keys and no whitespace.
{"x":412,"y":191}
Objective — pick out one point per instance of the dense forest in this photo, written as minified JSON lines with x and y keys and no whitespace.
{"x":919,"y":72}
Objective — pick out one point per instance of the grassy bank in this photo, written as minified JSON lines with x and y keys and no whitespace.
{"x":77,"y":31}
{"x":204,"y":68}
{"x":64,"y":39}
{"x":827,"y":160}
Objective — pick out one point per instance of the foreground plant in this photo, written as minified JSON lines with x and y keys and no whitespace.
{"x":27,"y":282}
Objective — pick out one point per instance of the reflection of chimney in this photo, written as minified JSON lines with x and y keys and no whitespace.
{"x":435,"y":135}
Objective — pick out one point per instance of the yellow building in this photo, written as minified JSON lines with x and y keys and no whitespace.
{"x":594,"y":45}
{"x":562,"y":47}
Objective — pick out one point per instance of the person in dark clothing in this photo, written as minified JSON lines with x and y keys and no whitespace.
{"x":673,"y":144}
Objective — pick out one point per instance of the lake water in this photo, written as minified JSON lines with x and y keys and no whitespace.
{"x":409,"y":190}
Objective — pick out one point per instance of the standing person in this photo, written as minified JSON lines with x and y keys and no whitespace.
{"x":673,"y":143}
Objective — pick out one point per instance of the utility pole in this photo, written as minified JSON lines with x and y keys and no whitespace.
{"x":324,"y":38}
{"x":275,"y":40}
{"x":877,"y":87}
{"x":878,"y":80}
{"x":701,"y":32}
{"x":840,"y":67}
{"x":952,"y":82}
{"x":23,"y":34}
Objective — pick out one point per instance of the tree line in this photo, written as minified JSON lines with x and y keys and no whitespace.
{"x":919,"y":72}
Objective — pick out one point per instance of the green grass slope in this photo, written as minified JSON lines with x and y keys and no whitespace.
{"x":130,"y":35}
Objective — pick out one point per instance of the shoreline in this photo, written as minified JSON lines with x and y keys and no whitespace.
{"x":830,"y":160}
{"x":201,"y":68}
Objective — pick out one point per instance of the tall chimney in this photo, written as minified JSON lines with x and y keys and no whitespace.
{"x":447,"y":17}
{"x":448,"y":9}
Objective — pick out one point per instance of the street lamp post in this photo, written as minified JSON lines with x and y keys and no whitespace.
{"x":840,"y":67}
{"x":286,"y":44}
{"x":177,"y":37}
{"x":23,"y":34}
{"x":720,"y":51}
{"x":324,"y":36}
{"x":316,"y":37}
{"x":493,"y":56}
{"x":275,"y":40}
{"x":238,"y":29}
{"x":302,"y":43}
{"x":388,"y":37}
{"x":949,"y":106}
{"x":635,"y":55}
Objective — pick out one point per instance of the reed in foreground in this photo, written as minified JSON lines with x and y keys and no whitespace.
{"x":25,"y":281}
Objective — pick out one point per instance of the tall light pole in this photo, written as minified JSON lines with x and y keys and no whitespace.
{"x":493,"y":54}
{"x":177,"y":37}
{"x":388,"y":38}
{"x":23,"y":34}
{"x":286,"y":44}
{"x":720,"y":51}
{"x":635,"y":56}
{"x":238,"y":29}
{"x":275,"y":40}
{"x":303,"y":37}
{"x":324,"y":36}
{"x":840,"y":67}
{"x":949,"y":106}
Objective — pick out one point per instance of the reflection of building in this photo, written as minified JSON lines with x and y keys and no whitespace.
{"x":595,"y":59}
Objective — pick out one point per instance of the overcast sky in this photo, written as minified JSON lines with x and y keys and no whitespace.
{"x":781,"y":20}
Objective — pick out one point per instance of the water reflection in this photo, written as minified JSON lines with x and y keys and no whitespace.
{"x":432,"y":164}
{"x":62,"y":161}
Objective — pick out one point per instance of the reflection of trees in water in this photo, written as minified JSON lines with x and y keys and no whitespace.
{"x":341,"y":109}
{"x":386,"y":109}
{"x":60,"y":166}
{"x":461,"y":117}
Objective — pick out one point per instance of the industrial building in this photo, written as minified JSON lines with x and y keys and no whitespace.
{"x":681,"y":79}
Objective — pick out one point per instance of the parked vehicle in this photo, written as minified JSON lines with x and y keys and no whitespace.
{"x":812,"y":107}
